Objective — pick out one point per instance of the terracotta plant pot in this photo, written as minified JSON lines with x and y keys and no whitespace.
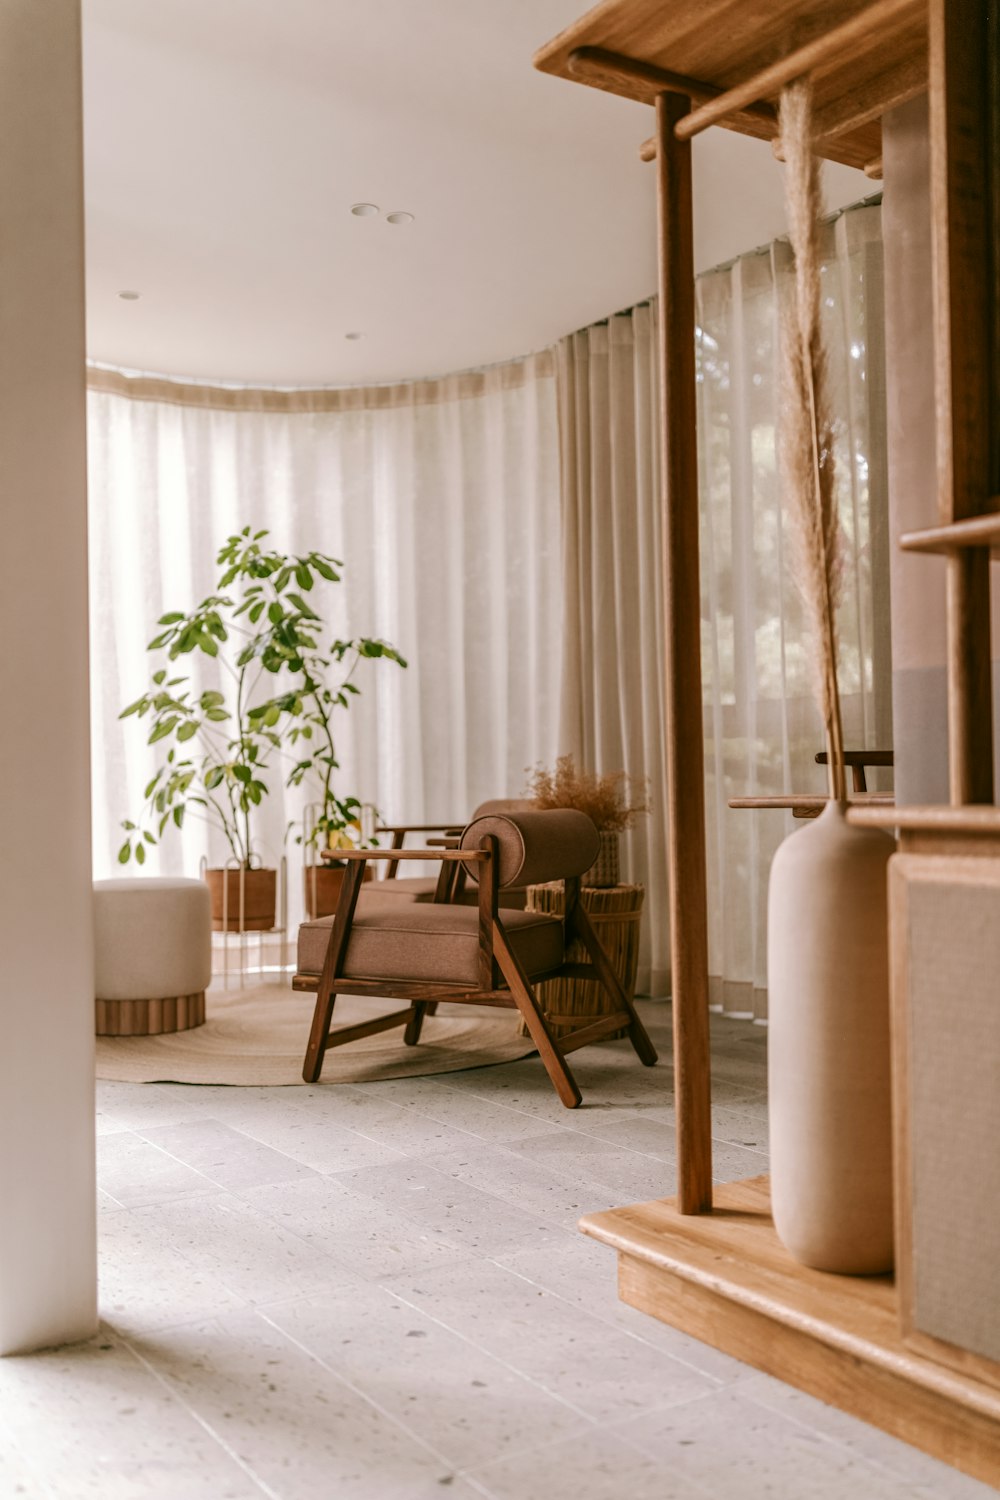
{"x":259,"y":899}
{"x":828,"y":1046}
{"x":321,"y":888}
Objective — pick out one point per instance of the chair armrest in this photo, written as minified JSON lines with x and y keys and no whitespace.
{"x":477,"y":856}
{"x":447,"y":828}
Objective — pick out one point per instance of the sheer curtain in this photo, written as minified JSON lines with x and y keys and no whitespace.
{"x":761,"y":728}
{"x":612,"y":708}
{"x":442,"y":499}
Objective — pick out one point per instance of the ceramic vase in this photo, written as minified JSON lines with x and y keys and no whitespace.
{"x":829,"y":1104}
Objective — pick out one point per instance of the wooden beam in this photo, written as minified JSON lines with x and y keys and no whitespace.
{"x":852,"y":38}
{"x":645,"y":80}
{"x":684,"y":743}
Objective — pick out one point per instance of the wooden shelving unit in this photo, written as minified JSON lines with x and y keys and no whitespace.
{"x":710,"y":1263}
{"x":837,"y":1337}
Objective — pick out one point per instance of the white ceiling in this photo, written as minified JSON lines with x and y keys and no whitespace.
{"x":226,"y":140}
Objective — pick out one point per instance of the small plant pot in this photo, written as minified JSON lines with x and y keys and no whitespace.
{"x":260,"y":890}
{"x":606,"y":869}
{"x":321,"y":888}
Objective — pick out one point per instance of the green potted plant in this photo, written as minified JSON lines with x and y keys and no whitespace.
{"x":223,"y":744}
{"x":611,"y":799}
{"x":334,"y":822}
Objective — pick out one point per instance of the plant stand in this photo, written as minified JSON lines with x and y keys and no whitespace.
{"x":253,"y":946}
{"x":616,"y":912}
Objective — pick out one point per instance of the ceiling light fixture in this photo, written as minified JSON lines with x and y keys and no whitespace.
{"x":364,"y":210}
{"x":353,"y":336}
{"x":399,"y":216}
{"x":129,"y":296}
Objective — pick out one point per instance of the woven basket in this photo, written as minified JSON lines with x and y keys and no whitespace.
{"x":606,"y":869}
{"x":615,"y":916}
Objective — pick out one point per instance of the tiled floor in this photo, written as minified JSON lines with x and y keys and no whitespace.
{"x":378,"y":1293}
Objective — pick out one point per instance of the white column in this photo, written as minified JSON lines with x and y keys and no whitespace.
{"x":48,"y":1269}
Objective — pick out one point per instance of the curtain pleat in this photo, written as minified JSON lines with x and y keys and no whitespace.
{"x":611,"y":707}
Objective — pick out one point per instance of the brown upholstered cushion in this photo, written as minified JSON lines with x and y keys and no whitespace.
{"x":420,"y":889}
{"x":503,"y":805}
{"x":423,"y":890}
{"x":544,"y":844}
{"x":411,"y":940}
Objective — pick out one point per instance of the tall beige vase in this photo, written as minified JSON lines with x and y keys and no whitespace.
{"x":829,"y":1104}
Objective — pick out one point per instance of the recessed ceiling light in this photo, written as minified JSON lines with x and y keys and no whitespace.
{"x":364,"y":210}
{"x":353,"y":336}
{"x":399,"y":217}
{"x":129,"y":296}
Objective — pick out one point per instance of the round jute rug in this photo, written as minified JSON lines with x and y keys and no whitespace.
{"x":258,"y":1036}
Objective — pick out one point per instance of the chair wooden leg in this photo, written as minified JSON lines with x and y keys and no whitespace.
{"x":519,"y":985}
{"x":411,"y":1035}
{"x":638,"y":1035}
{"x":320,"y":1030}
{"x":336,"y":948}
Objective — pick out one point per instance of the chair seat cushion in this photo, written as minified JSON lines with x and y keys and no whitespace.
{"x":402,"y":889}
{"x":411,"y":940}
{"x":426,"y":889}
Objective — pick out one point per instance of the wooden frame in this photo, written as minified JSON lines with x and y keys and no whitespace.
{"x":502,"y":979}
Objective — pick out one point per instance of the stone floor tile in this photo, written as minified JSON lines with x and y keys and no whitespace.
{"x":564,"y":1349}
{"x":595,"y":1466}
{"x":355,"y":1231}
{"x":94,"y":1422}
{"x":145,"y":1283}
{"x":227,"y":1157}
{"x":305,"y":1433}
{"x":134,"y":1171}
{"x":524,"y":1182}
{"x":477,"y":1221}
{"x":124,"y":1106}
{"x":253,"y":1256}
{"x":928,"y":1476}
{"x":737,"y":1450}
{"x":466,"y":1404}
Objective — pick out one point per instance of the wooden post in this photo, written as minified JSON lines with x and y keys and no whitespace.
{"x":685,"y":752}
{"x":963,"y":129}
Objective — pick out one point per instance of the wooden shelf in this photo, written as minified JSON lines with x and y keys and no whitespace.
{"x":982,"y":819}
{"x":725,"y":1278}
{"x":715,"y":47}
{"x":811,"y":804}
{"x":957,"y":536}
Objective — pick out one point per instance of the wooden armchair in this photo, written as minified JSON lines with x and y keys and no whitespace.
{"x":471,"y":955}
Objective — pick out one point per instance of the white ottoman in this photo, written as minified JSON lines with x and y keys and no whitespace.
{"x":153,"y":945}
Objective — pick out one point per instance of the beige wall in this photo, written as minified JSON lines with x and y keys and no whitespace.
{"x":47,"y":1192}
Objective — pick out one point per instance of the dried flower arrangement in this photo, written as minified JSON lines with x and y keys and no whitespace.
{"x":612,"y":799}
{"x":805,"y":437}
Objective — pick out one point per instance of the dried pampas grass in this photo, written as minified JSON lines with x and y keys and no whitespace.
{"x":612,"y":799}
{"x":805,"y":439}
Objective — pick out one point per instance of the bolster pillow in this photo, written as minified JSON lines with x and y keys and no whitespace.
{"x":546,"y":844}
